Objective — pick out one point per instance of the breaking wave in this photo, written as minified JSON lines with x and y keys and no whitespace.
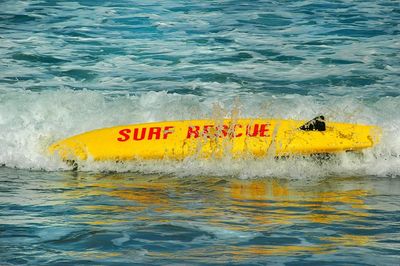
{"x":31,"y":121}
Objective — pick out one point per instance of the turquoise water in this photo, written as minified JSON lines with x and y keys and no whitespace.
{"x":67,"y":67}
{"x":65,"y":218}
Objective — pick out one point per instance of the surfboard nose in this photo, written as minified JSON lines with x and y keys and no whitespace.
{"x":68,"y":150}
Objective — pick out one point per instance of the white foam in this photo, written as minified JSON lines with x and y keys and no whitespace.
{"x":31,"y":121}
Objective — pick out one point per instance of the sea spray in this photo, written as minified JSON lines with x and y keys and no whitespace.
{"x":31,"y":121}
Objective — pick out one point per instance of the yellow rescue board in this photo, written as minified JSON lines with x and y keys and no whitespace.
{"x":235,"y":138}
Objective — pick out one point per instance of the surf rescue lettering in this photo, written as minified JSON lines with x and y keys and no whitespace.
{"x":145,"y":133}
{"x":193,"y":132}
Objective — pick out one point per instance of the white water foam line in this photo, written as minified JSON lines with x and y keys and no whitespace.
{"x":31,"y":121}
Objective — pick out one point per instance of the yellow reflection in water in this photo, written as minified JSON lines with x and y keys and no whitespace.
{"x":281,"y":250}
{"x":280,"y":201}
{"x":230,"y":205}
{"x":325,"y":206}
{"x":349,"y":240}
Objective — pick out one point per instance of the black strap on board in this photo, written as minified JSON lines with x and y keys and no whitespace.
{"x":316,"y":124}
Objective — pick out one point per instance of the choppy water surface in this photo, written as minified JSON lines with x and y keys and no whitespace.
{"x":123,"y":219}
{"x":204,"y":48}
{"x":67,"y":67}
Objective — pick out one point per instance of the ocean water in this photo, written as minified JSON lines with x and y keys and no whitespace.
{"x":67,"y":67}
